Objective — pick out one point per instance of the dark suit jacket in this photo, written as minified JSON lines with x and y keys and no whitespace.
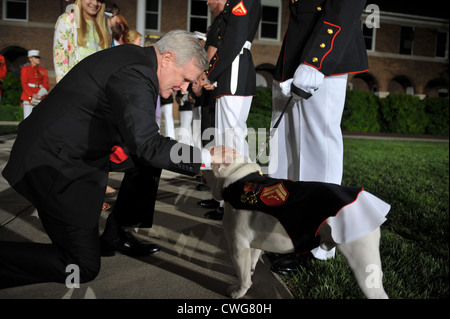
{"x":60,"y":159}
{"x":236,"y":24}
{"x":325,"y":34}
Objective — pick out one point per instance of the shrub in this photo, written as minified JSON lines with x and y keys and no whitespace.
{"x":10,"y":112}
{"x":12,"y":90}
{"x":437,"y":110}
{"x":261,"y":110}
{"x":360,"y":112}
{"x":402,"y":113}
{"x":363,"y":112}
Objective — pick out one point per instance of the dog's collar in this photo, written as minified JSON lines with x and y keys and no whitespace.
{"x":239,"y":167}
{"x":252,"y":177}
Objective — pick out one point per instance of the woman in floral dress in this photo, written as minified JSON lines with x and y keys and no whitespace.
{"x":79,"y":32}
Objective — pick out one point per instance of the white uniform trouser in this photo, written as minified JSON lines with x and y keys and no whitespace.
{"x":166,"y":109}
{"x":27,"y":109}
{"x":196,"y":126}
{"x":231,"y":122}
{"x":308,"y":145}
{"x":185,"y":130}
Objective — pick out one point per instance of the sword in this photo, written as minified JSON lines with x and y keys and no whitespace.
{"x":264,"y":144}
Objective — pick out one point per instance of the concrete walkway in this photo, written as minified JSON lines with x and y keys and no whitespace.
{"x":193,"y":262}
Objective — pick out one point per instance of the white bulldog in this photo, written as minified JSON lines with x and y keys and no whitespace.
{"x":249,"y":232}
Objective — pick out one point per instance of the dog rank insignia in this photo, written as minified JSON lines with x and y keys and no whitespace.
{"x":251,"y":190}
{"x":275,"y":195}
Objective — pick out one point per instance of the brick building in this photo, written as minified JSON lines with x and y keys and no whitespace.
{"x":408,"y":50}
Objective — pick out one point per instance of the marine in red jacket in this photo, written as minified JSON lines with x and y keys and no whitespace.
{"x":34,"y":80}
{"x":3,"y":71}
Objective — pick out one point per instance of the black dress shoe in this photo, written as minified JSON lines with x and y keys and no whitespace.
{"x":216,"y":214}
{"x":290,"y":263}
{"x":209,"y":203}
{"x":202,"y":188}
{"x":128,"y":245}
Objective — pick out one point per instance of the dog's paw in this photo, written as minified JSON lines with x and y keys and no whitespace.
{"x":236,"y":291}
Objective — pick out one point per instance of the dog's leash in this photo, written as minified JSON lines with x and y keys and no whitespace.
{"x":264,"y":144}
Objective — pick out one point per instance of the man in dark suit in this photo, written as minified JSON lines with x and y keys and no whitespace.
{"x":322,"y":45}
{"x":61,"y":157}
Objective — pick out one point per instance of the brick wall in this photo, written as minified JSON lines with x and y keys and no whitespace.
{"x":385,"y":63}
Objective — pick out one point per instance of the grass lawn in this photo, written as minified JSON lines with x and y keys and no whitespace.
{"x":413,"y":177}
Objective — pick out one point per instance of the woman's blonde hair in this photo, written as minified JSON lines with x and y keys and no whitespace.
{"x":104,"y":36}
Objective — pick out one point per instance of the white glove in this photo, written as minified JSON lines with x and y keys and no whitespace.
{"x":286,"y":87}
{"x":40,"y":94}
{"x":307,"y":78}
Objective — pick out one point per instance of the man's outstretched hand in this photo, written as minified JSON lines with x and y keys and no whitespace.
{"x":222,"y":155}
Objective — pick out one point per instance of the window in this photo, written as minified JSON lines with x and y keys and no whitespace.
{"x":270,"y":20}
{"x":441,"y":44}
{"x":15,"y":10}
{"x":406,"y":40}
{"x":198,"y":16}
{"x":369,"y":37}
{"x":152,"y":15}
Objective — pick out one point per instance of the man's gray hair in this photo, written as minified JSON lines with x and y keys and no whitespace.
{"x":185,"y":46}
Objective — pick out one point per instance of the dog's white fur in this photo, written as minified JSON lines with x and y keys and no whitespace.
{"x":250,"y":232}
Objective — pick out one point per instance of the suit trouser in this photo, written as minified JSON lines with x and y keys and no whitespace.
{"x":23,"y":263}
{"x":207,"y":121}
{"x":308,"y":145}
{"x":135,"y":203}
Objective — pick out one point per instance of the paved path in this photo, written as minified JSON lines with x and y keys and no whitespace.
{"x":192,"y":264}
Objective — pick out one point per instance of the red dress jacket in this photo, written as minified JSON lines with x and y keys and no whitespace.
{"x":33,"y":78}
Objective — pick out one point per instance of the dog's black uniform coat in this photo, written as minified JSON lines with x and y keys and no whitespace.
{"x":301,"y":207}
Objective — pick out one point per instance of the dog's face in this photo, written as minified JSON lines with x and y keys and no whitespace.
{"x":225,"y":174}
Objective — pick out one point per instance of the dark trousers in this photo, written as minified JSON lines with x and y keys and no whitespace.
{"x":23,"y":263}
{"x":135,"y":203}
{"x":208,"y":119}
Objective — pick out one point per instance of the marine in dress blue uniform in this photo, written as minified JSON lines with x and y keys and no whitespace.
{"x":322,"y":45}
{"x":233,"y":74}
{"x":232,"y":70}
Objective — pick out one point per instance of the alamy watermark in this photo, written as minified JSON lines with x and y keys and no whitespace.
{"x":373,"y":19}
{"x":374,"y":277}
{"x":73,"y":279}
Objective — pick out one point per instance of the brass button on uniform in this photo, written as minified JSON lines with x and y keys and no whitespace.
{"x":330,"y":31}
{"x":319,"y":8}
{"x":322,"y":45}
{"x":315,"y":59}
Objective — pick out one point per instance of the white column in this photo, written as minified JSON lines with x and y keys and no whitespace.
{"x":140,"y":19}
